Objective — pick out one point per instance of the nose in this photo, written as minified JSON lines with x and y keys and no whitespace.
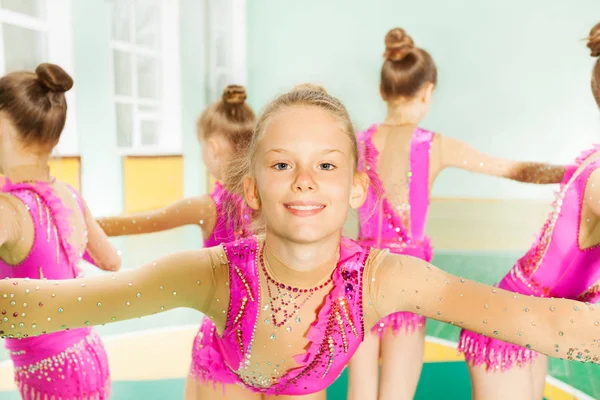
{"x":304,"y":182}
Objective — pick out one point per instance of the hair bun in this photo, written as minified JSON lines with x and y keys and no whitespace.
{"x":234,"y":94}
{"x":397,"y":45}
{"x":309,"y":87}
{"x":54,"y":78}
{"x":594,"y":41}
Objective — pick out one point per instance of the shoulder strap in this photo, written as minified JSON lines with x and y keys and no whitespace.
{"x":420,"y":147}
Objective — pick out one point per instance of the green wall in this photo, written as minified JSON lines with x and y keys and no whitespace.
{"x":513,"y":75}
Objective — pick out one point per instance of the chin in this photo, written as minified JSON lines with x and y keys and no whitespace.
{"x":307,"y":234}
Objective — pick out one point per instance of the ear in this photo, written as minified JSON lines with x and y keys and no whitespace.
{"x":213,"y":146}
{"x":427,"y":93}
{"x":251,"y":193}
{"x":358,"y":194}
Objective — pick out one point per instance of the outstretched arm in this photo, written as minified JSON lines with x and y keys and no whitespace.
{"x":455,"y":153}
{"x":556,"y":327}
{"x":193,"y":211}
{"x":186,"y":279}
{"x":100,"y":250}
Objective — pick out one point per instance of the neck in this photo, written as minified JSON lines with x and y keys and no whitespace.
{"x":20,"y":163}
{"x":303,"y":264}
{"x":402,"y":114}
{"x":28,"y":169}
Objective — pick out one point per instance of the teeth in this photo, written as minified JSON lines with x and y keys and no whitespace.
{"x":305,"y":208}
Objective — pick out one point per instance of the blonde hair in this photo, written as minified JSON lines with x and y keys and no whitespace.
{"x":230,"y":116}
{"x":304,"y":95}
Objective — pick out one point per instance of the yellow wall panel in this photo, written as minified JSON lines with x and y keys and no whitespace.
{"x":68,"y":170}
{"x":152,"y":182}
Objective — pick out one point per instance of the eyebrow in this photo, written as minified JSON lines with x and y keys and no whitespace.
{"x":326,"y":151}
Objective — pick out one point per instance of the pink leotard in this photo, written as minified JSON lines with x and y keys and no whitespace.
{"x":382,"y":227}
{"x":555,"y":266}
{"x":70,"y":364}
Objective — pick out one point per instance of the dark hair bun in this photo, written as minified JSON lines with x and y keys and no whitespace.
{"x":309,"y":87}
{"x":234,"y":94}
{"x":594,"y":41}
{"x":54,"y":78}
{"x":397,"y":45}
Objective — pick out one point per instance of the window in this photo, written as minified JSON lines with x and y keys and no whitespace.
{"x":226,"y":45}
{"x":31,"y":33}
{"x":145,"y":69}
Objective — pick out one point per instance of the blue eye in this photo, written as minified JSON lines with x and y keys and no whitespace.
{"x":281,"y":166}
{"x":327,"y":166}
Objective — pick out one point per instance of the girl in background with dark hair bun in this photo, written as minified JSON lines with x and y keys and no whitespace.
{"x":403,"y":161}
{"x":45,"y":228}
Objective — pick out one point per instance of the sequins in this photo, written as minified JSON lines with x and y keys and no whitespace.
{"x":138,"y":295}
{"x":79,"y":299}
{"x":174,"y":293}
{"x":60,"y":309}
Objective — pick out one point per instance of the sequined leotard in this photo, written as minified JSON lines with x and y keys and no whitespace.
{"x":400,"y":231}
{"x":331,"y":340}
{"x":64,"y":365}
{"x":555,"y":266}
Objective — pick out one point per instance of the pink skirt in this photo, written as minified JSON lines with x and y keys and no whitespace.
{"x":406,"y":322}
{"x":495,"y":354}
{"x":68,"y":365}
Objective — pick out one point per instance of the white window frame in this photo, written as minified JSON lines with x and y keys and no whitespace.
{"x":169,"y":114}
{"x":58,"y":27}
{"x":230,"y":23}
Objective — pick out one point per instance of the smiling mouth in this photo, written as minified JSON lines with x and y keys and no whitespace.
{"x":304,"y":209}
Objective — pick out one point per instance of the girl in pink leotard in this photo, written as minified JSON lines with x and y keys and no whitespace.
{"x":224,"y":131}
{"x":403,"y":162}
{"x":291,"y":308}
{"x":51,"y":231}
{"x":563,"y":262}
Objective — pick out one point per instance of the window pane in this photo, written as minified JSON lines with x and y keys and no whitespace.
{"x":148,"y":77}
{"x":220,"y":50}
{"x":150,"y":109}
{"x":24,"y":49}
{"x":122,"y":71}
{"x":33,"y":8}
{"x":147,"y":23}
{"x":124,"y":125}
{"x":219,"y":11}
{"x":150,"y":132}
{"x":121,"y":20}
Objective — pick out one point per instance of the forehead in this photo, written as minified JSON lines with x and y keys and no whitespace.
{"x":305,"y":128}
